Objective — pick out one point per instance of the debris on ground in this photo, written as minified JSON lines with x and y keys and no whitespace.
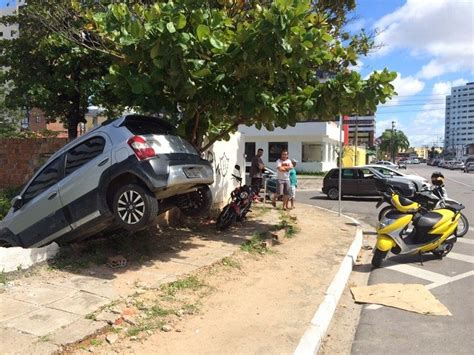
{"x":410,"y":297}
{"x":116,"y":261}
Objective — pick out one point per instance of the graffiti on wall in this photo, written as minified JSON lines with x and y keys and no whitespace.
{"x":220,"y":165}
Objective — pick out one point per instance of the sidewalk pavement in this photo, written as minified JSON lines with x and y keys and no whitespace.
{"x":40,"y":314}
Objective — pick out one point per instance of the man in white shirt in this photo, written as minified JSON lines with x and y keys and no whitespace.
{"x":284,"y":166}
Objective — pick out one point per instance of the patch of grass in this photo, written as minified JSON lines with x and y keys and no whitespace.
{"x":190,"y":282}
{"x":3,"y":278}
{"x":255,"y":244}
{"x":43,"y":339}
{"x":158,"y":311}
{"x":96,"y":342}
{"x":149,"y":324}
{"x":229,"y":262}
{"x":192,"y":308}
{"x":6,"y":196}
{"x":311,"y":173}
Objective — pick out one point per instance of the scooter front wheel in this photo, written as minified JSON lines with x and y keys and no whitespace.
{"x":378,"y":257}
{"x":384,"y":211}
{"x":463,"y":226}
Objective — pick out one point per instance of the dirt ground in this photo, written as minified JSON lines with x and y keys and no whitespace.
{"x":254,"y":304}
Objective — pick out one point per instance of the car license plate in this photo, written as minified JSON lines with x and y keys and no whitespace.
{"x":192,"y":172}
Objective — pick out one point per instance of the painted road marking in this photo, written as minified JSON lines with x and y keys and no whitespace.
{"x":459,"y":182}
{"x":465,"y":241}
{"x":461,"y":257}
{"x":417,"y":272}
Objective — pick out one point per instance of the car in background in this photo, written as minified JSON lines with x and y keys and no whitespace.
{"x":469,"y":167}
{"x":121,"y":174}
{"x":391,"y":165}
{"x":389,"y":172}
{"x":457,"y":165}
{"x":361,"y":181}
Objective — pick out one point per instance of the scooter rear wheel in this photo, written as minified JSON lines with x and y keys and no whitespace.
{"x":378,"y":257}
{"x":447,"y":247}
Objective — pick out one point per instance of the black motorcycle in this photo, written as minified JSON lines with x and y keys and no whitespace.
{"x":241,"y":199}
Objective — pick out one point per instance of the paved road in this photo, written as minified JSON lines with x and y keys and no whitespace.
{"x":384,"y":330}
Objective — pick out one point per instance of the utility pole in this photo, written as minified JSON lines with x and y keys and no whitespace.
{"x":356,"y":139}
{"x":392,"y":143}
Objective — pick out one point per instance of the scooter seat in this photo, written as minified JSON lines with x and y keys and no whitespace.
{"x":428,"y":220}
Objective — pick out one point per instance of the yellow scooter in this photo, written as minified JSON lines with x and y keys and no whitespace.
{"x":411,"y":229}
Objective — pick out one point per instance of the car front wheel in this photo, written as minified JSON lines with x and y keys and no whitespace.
{"x":134,"y":207}
{"x":196,"y":203}
{"x":333,"y":193}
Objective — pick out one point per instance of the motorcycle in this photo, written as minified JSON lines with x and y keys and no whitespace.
{"x":241,"y":199}
{"x":412,"y":229}
{"x":430,"y":201}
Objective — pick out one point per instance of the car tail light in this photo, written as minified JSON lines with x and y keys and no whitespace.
{"x":141,"y":148}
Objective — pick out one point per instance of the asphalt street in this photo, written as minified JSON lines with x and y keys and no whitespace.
{"x":384,"y":330}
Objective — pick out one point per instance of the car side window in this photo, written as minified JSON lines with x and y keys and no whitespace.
{"x":49,"y":176}
{"x":365,"y":174}
{"x":348,"y":174}
{"x":83,"y":153}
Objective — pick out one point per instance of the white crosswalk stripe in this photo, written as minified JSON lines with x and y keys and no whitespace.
{"x":418,"y":272}
{"x":461,"y":257}
{"x":465,"y":241}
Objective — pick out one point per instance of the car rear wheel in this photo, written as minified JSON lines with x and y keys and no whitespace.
{"x":196,"y":203}
{"x":134,"y":207}
{"x":333,"y":193}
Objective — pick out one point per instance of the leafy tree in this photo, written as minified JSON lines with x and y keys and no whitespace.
{"x":51,"y":73}
{"x":209,"y":66}
{"x":392,"y":142}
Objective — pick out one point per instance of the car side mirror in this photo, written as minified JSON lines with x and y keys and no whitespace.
{"x":17,"y":202}
{"x":237,"y":167}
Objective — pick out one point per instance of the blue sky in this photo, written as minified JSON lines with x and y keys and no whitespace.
{"x":3,"y":3}
{"x":430,"y":44}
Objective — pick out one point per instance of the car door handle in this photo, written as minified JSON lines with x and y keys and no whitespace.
{"x":53,"y":196}
{"x":103,"y":162}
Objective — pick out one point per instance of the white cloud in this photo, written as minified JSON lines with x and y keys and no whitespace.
{"x":357,"y":67}
{"x":405,"y":87}
{"x":442,"y":30}
{"x":428,"y":124}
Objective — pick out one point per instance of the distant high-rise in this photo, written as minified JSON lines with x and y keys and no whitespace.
{"x":459,"y":119}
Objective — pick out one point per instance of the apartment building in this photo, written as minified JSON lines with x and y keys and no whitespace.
{"x":459,"y":119}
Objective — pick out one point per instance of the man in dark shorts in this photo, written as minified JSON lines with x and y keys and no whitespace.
{"x":256,"y":170}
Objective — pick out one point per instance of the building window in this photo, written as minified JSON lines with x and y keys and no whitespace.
{"x":249,"y":151}
{"x":38,"y":119}
{"x":274,"y":150}
{"x":1,"y":34}
{"x":13,"y":33}
{"x":311,"y":152}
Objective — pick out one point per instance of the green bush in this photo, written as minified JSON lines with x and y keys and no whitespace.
{"x":6,"y":196}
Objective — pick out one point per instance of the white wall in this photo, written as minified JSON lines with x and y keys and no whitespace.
{"x":324,"y":133}
{"x":224,"y":156}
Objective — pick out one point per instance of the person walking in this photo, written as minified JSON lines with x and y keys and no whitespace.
{"x":284,"y":166}
{"x":293,"y":185}
{"x":256,"y":170}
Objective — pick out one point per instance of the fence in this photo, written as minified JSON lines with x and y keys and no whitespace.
{"x":21,"y":157}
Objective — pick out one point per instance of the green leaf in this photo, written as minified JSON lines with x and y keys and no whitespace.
{"x":180,"y":23}
{"x":327,"y":37}
{"x":308,"y":104}
{"x":202,"y":73}
{"x":170,"y":27}
{"x":155,"y":51}
{"x":216,"y":43}
{"x":202,"y":32}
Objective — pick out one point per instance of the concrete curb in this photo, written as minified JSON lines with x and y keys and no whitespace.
{"x":13,"y":259}
{"x":312,"y":339}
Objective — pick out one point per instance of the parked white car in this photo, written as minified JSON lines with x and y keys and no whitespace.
{"x":388,"y":171}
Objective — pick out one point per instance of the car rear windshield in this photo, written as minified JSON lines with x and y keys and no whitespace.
{"x":144,"y":126}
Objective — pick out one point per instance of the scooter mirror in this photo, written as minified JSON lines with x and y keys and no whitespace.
{"x":237,"y":167}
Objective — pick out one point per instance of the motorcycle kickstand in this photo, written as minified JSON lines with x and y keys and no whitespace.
{"x":421,"y":258}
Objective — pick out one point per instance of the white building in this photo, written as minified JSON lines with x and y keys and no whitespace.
{"x":312,"y":144}
{"x":459,"y":119}
{"x":10,"y":31}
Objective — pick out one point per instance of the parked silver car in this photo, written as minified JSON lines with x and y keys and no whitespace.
{"x":123,"y":173}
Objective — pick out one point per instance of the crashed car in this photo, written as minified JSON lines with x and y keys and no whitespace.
{"x":121,"y":174}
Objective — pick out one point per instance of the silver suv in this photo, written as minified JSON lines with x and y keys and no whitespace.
{"x":121,"y":174}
